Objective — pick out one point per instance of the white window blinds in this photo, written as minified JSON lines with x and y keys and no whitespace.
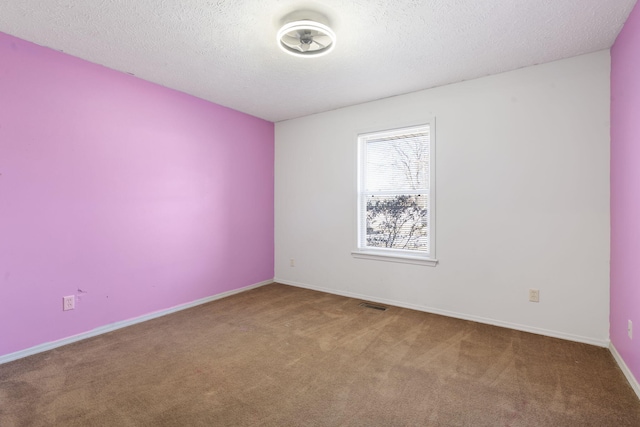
{"x":394,"y":190}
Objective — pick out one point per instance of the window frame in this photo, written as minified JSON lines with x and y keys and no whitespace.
{"x":396,"y":255}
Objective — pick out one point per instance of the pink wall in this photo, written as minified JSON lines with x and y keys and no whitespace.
{"x":625,"y":191}
{"x":131,"y":196}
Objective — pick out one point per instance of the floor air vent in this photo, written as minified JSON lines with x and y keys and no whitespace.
{"x":373,"y":306}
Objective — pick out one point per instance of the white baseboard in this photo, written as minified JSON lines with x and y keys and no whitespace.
{"x":633,"y":382}
{"x":122,"y":324}
{"x":488,"y":321}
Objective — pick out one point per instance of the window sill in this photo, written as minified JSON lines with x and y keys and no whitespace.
{"x":406,"y":259}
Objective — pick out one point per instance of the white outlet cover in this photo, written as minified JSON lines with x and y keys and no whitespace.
{"x":68,"y":302}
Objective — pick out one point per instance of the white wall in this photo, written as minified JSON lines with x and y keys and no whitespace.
{"x":522,"y":200}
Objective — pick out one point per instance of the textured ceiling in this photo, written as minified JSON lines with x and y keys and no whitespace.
{"x":225,"y":51}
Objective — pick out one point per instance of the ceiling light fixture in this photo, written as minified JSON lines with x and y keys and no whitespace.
{"x":306,"y":38}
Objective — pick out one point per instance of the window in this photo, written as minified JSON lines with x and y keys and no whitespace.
{"x":396,"y":195}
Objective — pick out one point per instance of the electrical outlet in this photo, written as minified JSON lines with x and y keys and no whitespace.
{"x":292,"y":262}
{"x":68,"y":303}
{"x":630,"y":329}
{"x":534,"y":295}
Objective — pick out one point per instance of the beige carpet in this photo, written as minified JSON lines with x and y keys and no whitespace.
{"x":283,"y":356}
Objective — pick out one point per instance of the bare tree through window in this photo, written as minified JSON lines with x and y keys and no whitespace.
{"x":397,"y":200}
